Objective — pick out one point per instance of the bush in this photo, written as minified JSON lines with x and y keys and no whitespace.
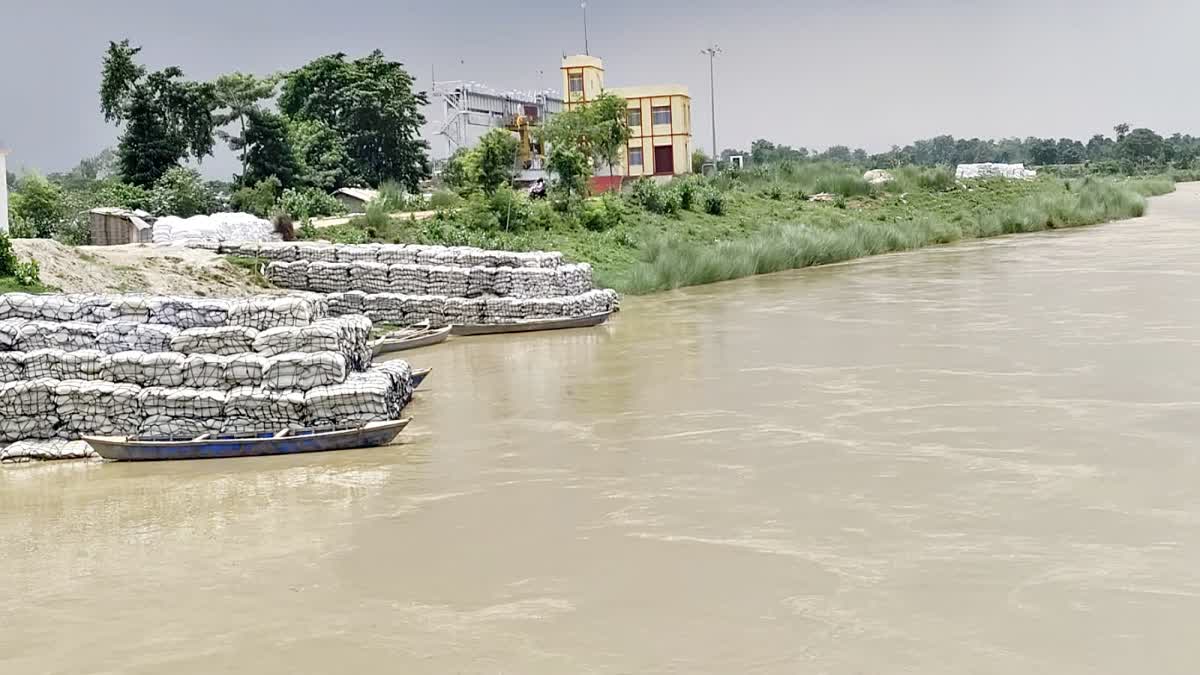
{"x":773,"y":191}
{"x":259,"y":199}
{"x":302,"y":203}
{"x":602,"y":214}
{"x":444,"y":199}
{"x":656,"y":198}
{"x":392,"y":196}
{"x":714,"y":202}
{"x":39,"y":205}
{"x":8,"y":259}
{"x":181,"y":192}
{"x":123,"y":195}
{"x":688,"y":189}
{"x":26,"y":273}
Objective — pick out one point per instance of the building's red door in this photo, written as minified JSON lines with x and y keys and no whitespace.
{"x":664,"y":159}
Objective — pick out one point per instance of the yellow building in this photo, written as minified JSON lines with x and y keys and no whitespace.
{"x":660,"y":119}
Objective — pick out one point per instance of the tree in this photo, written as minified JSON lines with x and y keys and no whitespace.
{"x":371,"y":104}
{"x":321,"y":156}
{"x":1141,"y":147}
{"x":268,"y":150}
{"x":608,"y":119}
{"x":166,"y":118}
{"x":238,"y":95}
{"x":571,"y":168}
{"x":456,"y":172}
{"x":1043,"y":151}
{"x":1070,"y":151}
{"x":1099,"y":147}
{"x":182,"y":192}
{"x":1121,"y":129}
{"x":39,"y":205}
{"x":492,"y":162}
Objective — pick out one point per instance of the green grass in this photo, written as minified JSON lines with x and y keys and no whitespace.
{"x":671,"y":262}
{"x":768,"y":224}
{"x":11,"y":285}
{"x":252,"y":267}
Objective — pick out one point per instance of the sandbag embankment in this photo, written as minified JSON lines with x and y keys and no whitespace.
{"x":416,"y":279}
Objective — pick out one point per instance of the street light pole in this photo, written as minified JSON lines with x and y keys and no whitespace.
{"x":712,"y":95}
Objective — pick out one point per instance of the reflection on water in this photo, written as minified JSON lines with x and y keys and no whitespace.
{"x":978,"y":459}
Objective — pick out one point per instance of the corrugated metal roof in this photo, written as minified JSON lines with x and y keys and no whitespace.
{"x":361,"y":194}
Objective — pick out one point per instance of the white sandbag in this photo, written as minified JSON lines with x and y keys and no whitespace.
{"x":189,"y":312}
{"x":27,"y":398}
{"x":205,"y":371}
{"x":120,"y":336}
{"x":182,"y":402}
{"x":245,"y":370}
{"x":100,"y":408}
{"x":12,"y":366}
{"x":178,"y":428}
{"x":256,"y":403}
{"x":38,"y":334}
{"x":226,"y":340}
{"x":46,"y":450}
{"x":304,"y":371}
{"x":13,"y":428}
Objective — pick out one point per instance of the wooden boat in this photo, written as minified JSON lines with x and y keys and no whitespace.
{"x":369,"y":435}
{"x":419,"y":375}
{"x":535,"y":324}
{"x":411,"y":338}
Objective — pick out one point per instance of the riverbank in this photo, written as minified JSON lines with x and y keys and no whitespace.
{"x":778,"y":218}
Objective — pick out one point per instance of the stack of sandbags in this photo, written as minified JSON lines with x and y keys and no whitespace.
{"x":245,"y":370}
{"x":303,"y":371}
{"x":188,"y":312}
{"x":370,"y":277}
{"x":258,"y":410}
{"x":365,"y":397}
{"x":225,"y":340}
{"x":45,"y":450}
{"x":182,"y":412}
{"x":160,"y":369}
{"x":205,"y":371}
{"x":100,"y":408}
{"x":271,"y":312}
{"x":328,"y":277}
{"x":348,"y":335}
{"x":120,"y":336}
{"x":31,"y":335}
{"x":12,"y":366}
{"x":85,"y":364}
{"x":239,"y":227}
{"x":356,"y":253}
{"x":394,"y":254}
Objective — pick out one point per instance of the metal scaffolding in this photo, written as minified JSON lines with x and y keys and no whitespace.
{"x":467,"y":105}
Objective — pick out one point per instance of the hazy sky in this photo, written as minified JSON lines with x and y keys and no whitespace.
{"x":867,"y":73}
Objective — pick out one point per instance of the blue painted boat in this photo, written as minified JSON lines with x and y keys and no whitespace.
{"x":286,"y":442}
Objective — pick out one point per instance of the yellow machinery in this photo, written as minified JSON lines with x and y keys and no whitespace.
{"x":527,"y":146}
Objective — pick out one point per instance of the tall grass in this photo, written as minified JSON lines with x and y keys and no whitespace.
{"x":673,"y":263}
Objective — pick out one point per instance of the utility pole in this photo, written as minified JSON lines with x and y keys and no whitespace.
{"x":712,"y":52}
{"x":585,"y":32}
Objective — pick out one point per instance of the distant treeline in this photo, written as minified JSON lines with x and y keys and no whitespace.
{"x":1127,"y":151}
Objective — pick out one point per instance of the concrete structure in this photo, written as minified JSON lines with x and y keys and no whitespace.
{"x":660,"y":119}
{"x":355,"y":199}
{"x":113,"y":227}
{"x":3,"y":190}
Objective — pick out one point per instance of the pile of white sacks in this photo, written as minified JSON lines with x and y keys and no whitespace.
{"x":406,"y":284}
{"x":215,"y":228}
{"x":116,"y":365}
{"x":993,"y":170}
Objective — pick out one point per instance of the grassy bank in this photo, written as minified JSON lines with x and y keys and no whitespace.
{"x":768,"y":222}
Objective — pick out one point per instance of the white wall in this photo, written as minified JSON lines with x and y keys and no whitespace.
{"x":3,"y":193}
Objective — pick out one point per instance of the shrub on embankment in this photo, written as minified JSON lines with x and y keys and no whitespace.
{"x":669,"y":262}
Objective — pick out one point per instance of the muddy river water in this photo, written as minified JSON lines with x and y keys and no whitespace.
{"x":974,"y":459}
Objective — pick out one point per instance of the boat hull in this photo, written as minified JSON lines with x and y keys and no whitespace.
{"x":527,"y":326}
{"x":386,"y":346}
{"x":370,"y":435}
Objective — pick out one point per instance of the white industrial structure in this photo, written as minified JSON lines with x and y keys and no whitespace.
{"x":470,"y":109}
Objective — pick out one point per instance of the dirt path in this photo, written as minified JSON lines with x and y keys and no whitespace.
{"x":137,"y":268}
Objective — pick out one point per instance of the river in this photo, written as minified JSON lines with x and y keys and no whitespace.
{"x":980,"y":458}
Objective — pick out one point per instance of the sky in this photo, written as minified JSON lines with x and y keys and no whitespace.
{"x":863,"y":73}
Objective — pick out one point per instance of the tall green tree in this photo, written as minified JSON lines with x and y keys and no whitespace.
{"x":239,"y":94}
{"x":268,"y":150}
{"x":493,"y":161}
{"x":40,"y":205}
{"x":321,"y":155}
{"x":1141,"y":147}
{"x":370,"y":102}
{"x":608,"y":116}
{"x":166,"y":118}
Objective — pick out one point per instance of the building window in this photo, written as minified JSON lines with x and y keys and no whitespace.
{"x":661,"y":114}
{"x":635,"y":157}
{"x":635,"y":117}
{"x":575,"y":83}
